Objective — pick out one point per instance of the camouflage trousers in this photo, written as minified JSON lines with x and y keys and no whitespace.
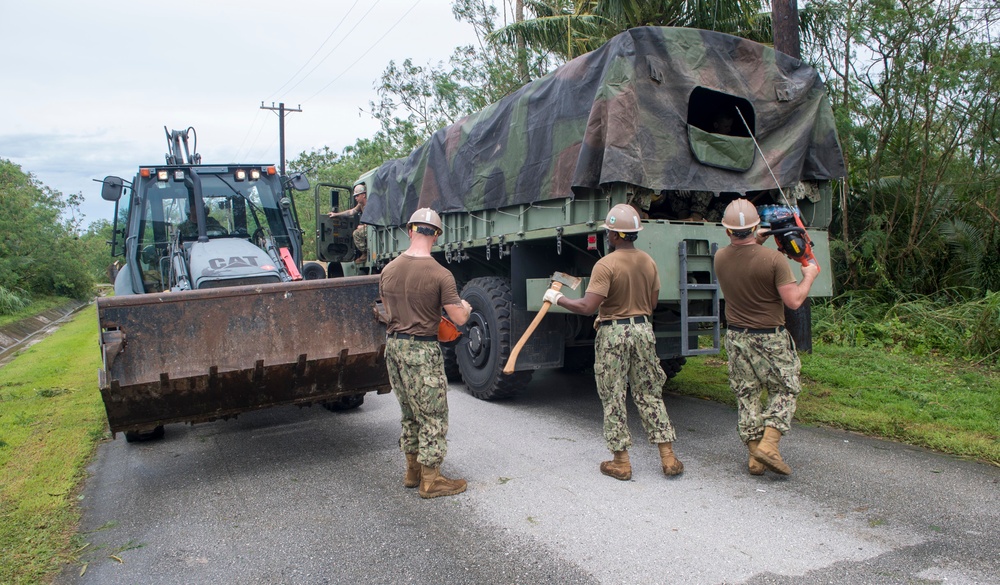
{"x":758,"y":363}
{"x":360,"y":237}
{"x":416,"y":373}
{"x":626,"y":358}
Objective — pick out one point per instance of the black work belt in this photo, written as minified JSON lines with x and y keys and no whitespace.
{"x":626,"y":321}
{"x":772,"y":330}
{"x":412,"y":337}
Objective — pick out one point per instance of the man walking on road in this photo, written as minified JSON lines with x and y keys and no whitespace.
{"x":624,"y":288}
{"x":414,"y":290}
{"x":757,"y":284}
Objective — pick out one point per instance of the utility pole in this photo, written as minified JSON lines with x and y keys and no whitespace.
{"x":785,"y":29}
{"x":281,"y":109}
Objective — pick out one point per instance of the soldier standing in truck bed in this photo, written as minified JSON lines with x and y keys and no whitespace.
{"x":624,"y":287}
{"x":414,"y":290}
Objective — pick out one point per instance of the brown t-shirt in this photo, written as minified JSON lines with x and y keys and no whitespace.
{"x":414,"y":292}
{"x":629,"y":281}
{"x":749,"y":277}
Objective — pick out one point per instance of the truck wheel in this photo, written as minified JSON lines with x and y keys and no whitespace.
{"x":313,"y":271}
{"x":344,"y":403}
{"x":486,"y":345}
{"x":140,"y":436}
{"x":578,"y":359}
{"x":671,"y":367}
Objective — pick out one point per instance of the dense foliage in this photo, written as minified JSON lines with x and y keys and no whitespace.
{"x":914,"y":85}
{"x":41,"y":253}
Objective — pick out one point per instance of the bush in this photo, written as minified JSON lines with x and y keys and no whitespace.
{"x":946,"y":323}
{"x":11,"y":302}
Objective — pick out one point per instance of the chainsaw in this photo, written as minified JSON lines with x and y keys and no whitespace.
{"x":791,"y":236}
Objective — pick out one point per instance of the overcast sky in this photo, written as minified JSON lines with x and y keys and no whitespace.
{"x":87,"y":87}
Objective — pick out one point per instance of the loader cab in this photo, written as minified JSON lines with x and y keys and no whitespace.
{"x":173,"y":207}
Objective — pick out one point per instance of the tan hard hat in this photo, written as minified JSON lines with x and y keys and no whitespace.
{"x":426,"y":216}
{"x":740,"y":215}
{"x":360,"y":189}
{"x":623,"y":218}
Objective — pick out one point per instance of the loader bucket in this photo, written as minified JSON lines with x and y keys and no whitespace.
{"x":196,"y":356}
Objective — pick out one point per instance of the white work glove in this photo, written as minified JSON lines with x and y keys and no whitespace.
{"x":552,"y":296}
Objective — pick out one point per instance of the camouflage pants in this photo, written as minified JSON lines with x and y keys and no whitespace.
{"x":416,"y":373}
{"x":759,"y":362}
{"x":626,"y":357}
{"x":360,"y":237}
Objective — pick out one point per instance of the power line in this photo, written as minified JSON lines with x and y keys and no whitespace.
{"x":318,"y":49}
{"x":377,"y":41}
{"x":345,"y":37}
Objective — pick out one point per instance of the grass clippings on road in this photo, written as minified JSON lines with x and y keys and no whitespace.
{"x":51,"y":418}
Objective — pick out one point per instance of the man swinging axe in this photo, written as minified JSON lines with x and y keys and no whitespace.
{"x":559,"y":280}
{"x":624,"y":288}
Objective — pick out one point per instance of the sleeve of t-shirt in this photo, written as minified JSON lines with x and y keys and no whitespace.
{"x":449,"y":291}
{"x":782,"y":272}
{"x":600,"y":280}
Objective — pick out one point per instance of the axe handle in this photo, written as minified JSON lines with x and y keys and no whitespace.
{"x":512,"y":360}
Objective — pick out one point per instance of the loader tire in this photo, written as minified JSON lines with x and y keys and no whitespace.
{"x":313,"y":271}
{"x":485,"y":347}
{"x":344,"y":403}
{"x":141,"y":436}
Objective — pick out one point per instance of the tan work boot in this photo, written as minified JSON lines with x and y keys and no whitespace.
{"x":435,"y":485}
{"x":768,"y":454}
{"x":412,"y":478}
{"x":755,"y":467}
{"x":619,"y":468}
{"x":671,"y":464}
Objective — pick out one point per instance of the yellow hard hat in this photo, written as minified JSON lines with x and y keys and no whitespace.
{"x":740,"y":215}
{"x":623,"y":218}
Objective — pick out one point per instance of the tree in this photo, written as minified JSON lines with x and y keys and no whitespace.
{"x":40,"y":252}
{"x":570,"y":28}
{"x":917,"y":84}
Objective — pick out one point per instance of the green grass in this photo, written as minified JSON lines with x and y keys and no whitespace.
{"x":51,"y":419}
{"x":34,"y":307}
{"x":930,"y":401}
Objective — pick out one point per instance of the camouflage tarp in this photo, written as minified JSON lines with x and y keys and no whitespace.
{"x":647,"y":108}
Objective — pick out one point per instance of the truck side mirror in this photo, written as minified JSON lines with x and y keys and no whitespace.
{"x":112,"y":188}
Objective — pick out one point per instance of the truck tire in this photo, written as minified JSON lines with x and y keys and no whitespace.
{"x":313,"y":271}
{"x":671,"y":367}
{"x":578,"y":359}
{"x":484,"y":349}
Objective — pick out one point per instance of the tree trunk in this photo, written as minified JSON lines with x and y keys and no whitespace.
{"x":785,"y":26}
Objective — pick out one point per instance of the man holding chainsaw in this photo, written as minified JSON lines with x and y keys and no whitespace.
{"x":414,"y":290}
{"x":624,"y":288}
{"x":757,"y":284}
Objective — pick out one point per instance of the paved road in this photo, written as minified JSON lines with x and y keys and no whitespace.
{"x":308,"y":496}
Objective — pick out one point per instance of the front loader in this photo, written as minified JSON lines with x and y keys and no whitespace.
{"x":211,"y":316}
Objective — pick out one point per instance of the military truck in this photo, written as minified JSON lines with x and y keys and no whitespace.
{"x":660,"y":118}
{"x":211,"y":317}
